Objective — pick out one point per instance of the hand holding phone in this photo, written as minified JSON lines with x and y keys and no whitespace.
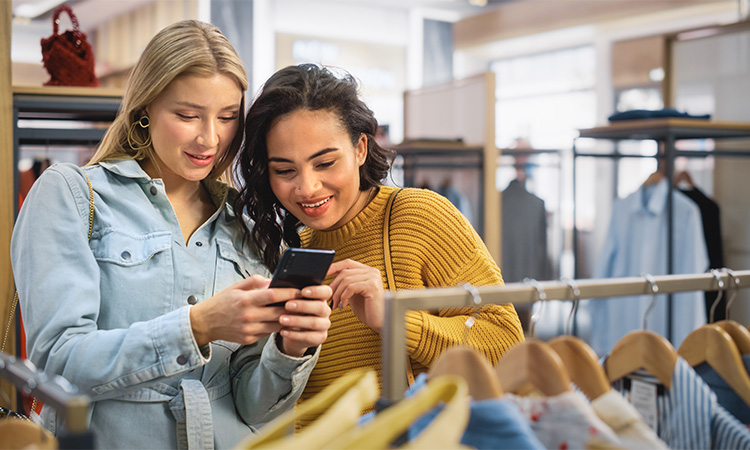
{"x":301,"y":267}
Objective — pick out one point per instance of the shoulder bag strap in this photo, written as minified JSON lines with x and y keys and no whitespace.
{"x":387,"y":242}
{"x":14,"y":304}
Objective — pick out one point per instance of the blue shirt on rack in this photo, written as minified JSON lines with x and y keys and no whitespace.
{"x":636,"y":244}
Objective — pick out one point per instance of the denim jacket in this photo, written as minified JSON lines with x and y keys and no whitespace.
{"x":111,"y":315}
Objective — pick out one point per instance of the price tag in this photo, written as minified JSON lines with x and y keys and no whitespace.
{"x":643,"y":398}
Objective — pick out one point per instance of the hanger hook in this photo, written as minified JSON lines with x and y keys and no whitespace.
{"x":541,"y":295}
{"x":476,"y":299}
{"x":576,"y":298}
{"x":654,"y":290}
{"x":736,"y":283}
{"x":720,"y":284}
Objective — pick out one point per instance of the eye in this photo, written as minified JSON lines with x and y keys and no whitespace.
{"x":231,"y":118}
{"x":282,"y":171}
{"x":325,"y":165}
{"x":186,"y":116}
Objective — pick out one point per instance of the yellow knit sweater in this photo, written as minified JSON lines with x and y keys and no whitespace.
{"x":432,"y":245}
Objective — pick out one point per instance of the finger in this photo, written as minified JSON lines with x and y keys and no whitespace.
{"x":304,"y":338}
{"x":308,"y":323}
{"x":338,"y":266}
{"x":275,"y":295}
{"x":308,"y":307}
{"x":317,"y":292}
{"x":253,"y":282}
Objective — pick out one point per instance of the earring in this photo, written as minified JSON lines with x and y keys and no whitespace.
{"x":299,"y":188}
{"x":133,"y":140}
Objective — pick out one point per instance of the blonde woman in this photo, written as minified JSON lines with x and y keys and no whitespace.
{"x":160,"y":314}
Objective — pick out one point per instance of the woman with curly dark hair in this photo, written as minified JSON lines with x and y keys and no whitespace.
{"x":313,"y":177}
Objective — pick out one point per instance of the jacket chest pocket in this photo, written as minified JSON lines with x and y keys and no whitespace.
{"x":136,"y":275}
{"x":233,"y":266}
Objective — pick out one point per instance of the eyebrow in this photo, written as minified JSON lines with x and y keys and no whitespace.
{"x":197,"y":106}
{"x":320,"y":153}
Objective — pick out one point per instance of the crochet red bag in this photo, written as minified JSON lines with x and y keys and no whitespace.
{"x":68,"y":57}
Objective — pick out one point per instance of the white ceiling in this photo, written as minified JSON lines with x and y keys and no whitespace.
{"x":91,"y":13}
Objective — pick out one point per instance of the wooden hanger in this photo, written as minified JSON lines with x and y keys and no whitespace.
{"x":653,"y":179}
{"x":533,"y":365}
{"x":473,"y":367}
{"x":683,"y":176}
{"x":582,"y":365}
{"x":740,"y":335}
{"x":711,"y":344}
{"x":642,"y":349}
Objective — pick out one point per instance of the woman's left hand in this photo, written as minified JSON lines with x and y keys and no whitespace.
{"x":361,"y":287}
{"x":306,"y":320}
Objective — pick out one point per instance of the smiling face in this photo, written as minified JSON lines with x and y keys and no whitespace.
{"x":313,"y":168}
{"x":191,"y":123}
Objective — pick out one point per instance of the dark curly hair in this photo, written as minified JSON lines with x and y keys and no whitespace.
{"x":309,"y":87}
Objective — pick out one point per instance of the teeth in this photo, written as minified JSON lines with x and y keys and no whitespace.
{"x":200,"y":157}
{"x":315,"y":205}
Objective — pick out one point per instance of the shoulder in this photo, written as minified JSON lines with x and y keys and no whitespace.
{"x":424,"y":204}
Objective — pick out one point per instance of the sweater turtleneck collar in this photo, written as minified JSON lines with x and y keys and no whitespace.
{"x":374,"y":209}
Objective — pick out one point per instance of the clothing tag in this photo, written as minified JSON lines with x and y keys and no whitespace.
{"x":643,"y":398}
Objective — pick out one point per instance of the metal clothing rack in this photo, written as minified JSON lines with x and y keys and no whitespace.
{"x":397,"y":303}
{"x":53,"y":391}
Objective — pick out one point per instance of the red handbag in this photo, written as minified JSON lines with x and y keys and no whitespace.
{"x":68,"y":57}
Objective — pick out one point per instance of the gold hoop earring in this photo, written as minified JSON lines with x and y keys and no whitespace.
{"x":133,"y":141}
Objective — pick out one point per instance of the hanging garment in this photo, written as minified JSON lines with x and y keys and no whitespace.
{"x":637,"y":243}
{"x":626,"y":422}
{"x":524,"y":224}
{"x":726,"y":396}
{"x":687,"y":415}
{"x":493,"y":423}
{"x":565,"y":421}
{"x":711,"y":219}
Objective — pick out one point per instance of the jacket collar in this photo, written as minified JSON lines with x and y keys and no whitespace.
{"x":221,"y":193}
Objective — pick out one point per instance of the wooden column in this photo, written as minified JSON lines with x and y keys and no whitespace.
{"x":6,"y":190}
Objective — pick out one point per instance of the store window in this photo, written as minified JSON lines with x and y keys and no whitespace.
{"x":541,"y":102}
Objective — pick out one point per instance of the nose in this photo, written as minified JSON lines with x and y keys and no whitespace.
{"x":308,"y":184}
{"x":209,"y":135}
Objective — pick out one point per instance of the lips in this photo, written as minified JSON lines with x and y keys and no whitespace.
{"x":316,"y":204}
{"x":201,"y":160}
{"x":316,"y":209}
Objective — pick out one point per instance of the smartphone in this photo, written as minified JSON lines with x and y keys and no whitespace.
{"x":301,"y":267}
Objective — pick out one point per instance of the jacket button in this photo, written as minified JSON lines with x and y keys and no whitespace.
{"x":199,"y":244}
{"x":125,"y":255}
{"x":192,"y":300}
{"x":182,"y":360}
{"x":153,"y":190}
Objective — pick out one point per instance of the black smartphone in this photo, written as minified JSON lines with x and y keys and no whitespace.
{"x":301,"y":267}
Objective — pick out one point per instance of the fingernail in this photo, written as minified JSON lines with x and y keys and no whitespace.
{"x":285,"y":320}
{"x":307,"y":292}
{"x":291,"y":306}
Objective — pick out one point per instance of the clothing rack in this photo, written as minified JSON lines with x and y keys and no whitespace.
{"x":53,"y":391}
{"x":397,"y":303}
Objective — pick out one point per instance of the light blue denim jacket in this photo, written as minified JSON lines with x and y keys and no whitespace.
{"x":112,"y":315}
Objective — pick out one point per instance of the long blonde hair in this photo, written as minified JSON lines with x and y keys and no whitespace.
{"x":188,"y":47}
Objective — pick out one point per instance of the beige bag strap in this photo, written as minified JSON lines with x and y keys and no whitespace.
{"x":14,"y":304}
{"x":387,"y":242}
{"x":389,"y":263}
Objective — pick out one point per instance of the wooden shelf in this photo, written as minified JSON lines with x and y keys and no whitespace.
{"x":678,"y":128}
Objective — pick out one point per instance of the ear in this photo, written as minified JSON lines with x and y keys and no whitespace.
{"x":361,"y":149}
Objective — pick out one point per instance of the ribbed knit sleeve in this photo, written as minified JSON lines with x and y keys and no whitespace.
{"x":432,"y":245}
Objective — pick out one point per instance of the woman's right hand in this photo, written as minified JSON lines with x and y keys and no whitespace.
{"x":239,"y":313}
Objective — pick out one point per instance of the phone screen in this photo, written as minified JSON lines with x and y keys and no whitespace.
{"x":301,"y":267}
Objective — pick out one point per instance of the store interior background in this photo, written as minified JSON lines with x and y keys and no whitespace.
{"x":557,"y":66}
